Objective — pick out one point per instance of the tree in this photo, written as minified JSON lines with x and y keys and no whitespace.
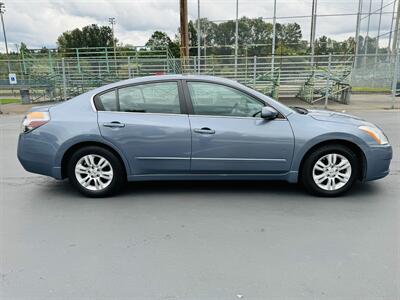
{"x":255,"y":37}
{"x":288,"y":37}
{"x":160,"y":40}
{"x":23,"y":48}
{"x":192,"y":30}
{"x":88,"y":36}
{"x":321,"y":46}
{"x":255,"y":32}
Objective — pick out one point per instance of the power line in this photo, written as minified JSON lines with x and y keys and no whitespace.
{"x":386,"y":5}
{"x":310,"y":16}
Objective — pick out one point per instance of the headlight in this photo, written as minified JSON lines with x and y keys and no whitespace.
{"x":376,"y":134}
{"x":34,"y":120}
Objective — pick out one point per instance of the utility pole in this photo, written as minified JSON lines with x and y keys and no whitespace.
{"x":184,"y":49}
{"x":273,"y":39}
{"x":112,"y":23}
{"x":391,"y":27}
{"x":396,"y":30}
{"x":236,"y":36}
{"x":357,"y":37}
{"x":367,"y":35}
{"x":2,"y":10}
{"x":379,"y":32}
{"x":395,"y":51}
{"x":198,"y":37}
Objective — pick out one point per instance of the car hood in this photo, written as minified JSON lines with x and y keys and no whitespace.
{"x":331,"y":116}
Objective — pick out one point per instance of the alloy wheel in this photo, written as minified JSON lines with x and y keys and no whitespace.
{"x":331,"y":172}
{"x":94,"y":172}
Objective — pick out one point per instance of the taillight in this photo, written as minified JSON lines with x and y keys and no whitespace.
{"x":34,"y":120}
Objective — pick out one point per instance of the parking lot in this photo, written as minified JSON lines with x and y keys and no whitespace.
{"x":198,"y":240}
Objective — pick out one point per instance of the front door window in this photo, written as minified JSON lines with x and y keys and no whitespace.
{"x":219,"y":100}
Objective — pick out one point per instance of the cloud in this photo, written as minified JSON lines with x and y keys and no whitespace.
{"x":39,"y":22}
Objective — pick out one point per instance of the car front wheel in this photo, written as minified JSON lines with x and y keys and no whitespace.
{"x":330,"y":170}
{"x":95,"y":171}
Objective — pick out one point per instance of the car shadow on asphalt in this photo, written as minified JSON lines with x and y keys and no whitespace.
{"x":267,"y":189}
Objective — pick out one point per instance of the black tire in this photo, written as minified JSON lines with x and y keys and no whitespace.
{"x":306,"y":172}
{"x":118,"y":170}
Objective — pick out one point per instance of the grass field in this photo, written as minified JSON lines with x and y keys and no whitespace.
{"x":367,"y":89}
{"x":9,"y":100}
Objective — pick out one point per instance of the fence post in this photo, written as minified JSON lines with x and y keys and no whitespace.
{"x":64,"y":79}
{"x":23,"y":61}
{"x":137,"y":63}
{"x":246,"y":63}
{"x":328,"y":81}
{"x":108,"y":66}
{"x":77,"y":60}
{"x":254,"y":70}
{"x":22,"y":71}
{"x":394,"y":82}
{"x":129,"y":67}
{"x":213,"y":64}
{"x":167,"y":60}
{"x":312,"y":80}
{"x":50,"y":63}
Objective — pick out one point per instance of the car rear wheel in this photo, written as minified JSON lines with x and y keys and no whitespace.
{"x":96,"y":172}
{"x":330,"y":170}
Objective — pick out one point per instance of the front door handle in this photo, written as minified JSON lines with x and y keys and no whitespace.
{"x":204,"y":130}
{"x":114,"y":124}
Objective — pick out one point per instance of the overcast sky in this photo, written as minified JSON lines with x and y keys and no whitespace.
{"x":39,"y":23}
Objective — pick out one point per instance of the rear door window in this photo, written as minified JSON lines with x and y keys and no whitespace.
{"x":107,"y":101}
{"x":162,"y":97}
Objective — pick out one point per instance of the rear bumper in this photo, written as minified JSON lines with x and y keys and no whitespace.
{"x":37,"y":155}
{"x":378,"y":162}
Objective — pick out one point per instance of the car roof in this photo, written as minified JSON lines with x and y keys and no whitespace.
{"x":145,"y":79}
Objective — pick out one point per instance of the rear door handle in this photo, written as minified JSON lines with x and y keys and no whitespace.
{"x":204,"y":130}
{"x":114,"y":124}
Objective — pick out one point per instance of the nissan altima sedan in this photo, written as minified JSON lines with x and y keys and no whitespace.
{"x":178,"y":127}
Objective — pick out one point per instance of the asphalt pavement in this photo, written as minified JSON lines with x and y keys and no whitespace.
{"x":197,"y":240}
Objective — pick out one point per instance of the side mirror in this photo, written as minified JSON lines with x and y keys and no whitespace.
{"x":268,"y":113}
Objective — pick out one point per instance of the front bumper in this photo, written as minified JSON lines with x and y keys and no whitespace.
{"x":378,"y":160}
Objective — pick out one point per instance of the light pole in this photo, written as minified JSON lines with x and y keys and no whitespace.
{"x":379,"y":32}
{"x":367,"y":35}
{"x":2,"y":10}
{"x":273,"y":40}
{"x":198,"y":36}
{"x":313,"y":28}
{"x":236,"y":36}
{"x":112,"y":23}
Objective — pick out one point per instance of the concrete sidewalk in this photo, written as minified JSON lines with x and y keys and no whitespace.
{"x":358,"y":102}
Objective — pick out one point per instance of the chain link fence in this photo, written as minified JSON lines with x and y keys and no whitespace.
{"x":58,"y":76}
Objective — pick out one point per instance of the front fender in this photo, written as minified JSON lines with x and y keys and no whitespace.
{"x":301,"y":151}
{"x":309,"y":132}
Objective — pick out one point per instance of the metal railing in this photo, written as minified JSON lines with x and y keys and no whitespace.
{"x":293,"y":71}
{"x":311,"y":79}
